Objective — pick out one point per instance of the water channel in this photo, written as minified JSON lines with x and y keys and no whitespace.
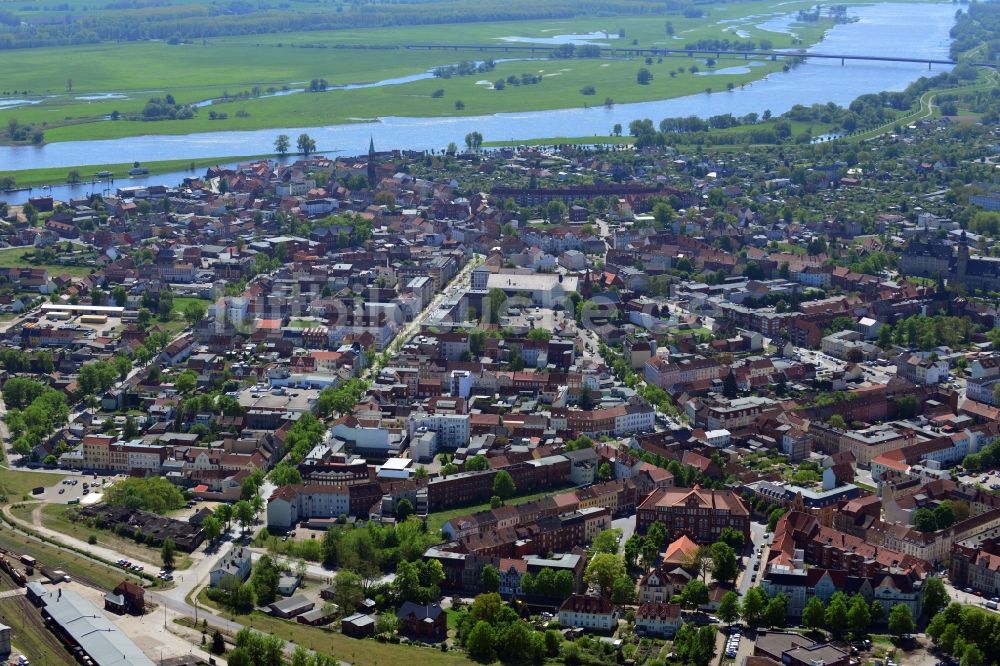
{"x":898,"y":29}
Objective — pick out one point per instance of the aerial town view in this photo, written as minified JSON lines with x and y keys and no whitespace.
{"x":453,"y":332}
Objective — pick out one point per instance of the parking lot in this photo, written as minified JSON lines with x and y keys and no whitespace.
{"x":76,"y":490}
{"x":989,"y":479}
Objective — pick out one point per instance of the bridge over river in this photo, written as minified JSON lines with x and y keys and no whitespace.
{"x":541,"y":49}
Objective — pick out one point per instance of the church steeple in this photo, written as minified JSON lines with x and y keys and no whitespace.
{"x":371,"y":164}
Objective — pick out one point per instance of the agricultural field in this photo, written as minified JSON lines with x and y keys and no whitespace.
{"x":74,"y":89}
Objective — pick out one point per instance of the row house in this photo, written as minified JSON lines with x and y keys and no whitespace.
{"x":800,"y":585}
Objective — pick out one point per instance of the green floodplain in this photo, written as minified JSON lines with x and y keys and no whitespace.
{"x":122,"y":77}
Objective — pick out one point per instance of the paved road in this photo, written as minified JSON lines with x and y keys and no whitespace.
{"x":748,"y":576}
{"x":627,"y":526}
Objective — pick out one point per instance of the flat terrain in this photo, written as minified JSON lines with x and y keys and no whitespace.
{"x":14,"y":256}
{"x":119,"y":171}
{"x":123,"y":76}
{"x":16,"y":484}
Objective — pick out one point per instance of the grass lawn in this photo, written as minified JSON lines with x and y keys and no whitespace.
{"x":14,"y":256}
{"x":366,"y":652}
{"x":87,"y":571}
{"x":15,"y":484}
{"x":435,"y":521}
{"x":181,"y":302}
{"x":59,"y":175}
{"x":29,"y":634}
{"x":54,"y":517}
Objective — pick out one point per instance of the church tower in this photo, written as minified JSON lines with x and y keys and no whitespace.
{"x":963,"y":257}
{"x":371,"y":164}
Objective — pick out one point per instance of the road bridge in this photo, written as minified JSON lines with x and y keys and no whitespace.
{"x":605,"y":51}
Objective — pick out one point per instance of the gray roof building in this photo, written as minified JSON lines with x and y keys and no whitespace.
{"x":82,"y":624}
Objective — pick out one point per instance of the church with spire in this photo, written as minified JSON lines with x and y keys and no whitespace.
{"x":372,"y":175}
{"x":975,"y":272}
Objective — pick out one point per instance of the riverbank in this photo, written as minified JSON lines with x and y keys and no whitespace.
{"x":884,"y":28}
{"x":39,"y":178}
{"x":259,"y":75}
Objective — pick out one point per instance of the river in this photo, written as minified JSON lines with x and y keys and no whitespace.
{"x":900,"y":29}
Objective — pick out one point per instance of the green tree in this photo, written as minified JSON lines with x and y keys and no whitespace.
{"x":733,"y":538}
{"x":776,"y":610}
{"x":154,"y":494}
{"x":604,"y":472}
{"x":836,"y":615}
{"x":306,"y":144}
{"x":404,"y":509}
{"x":900,"y":620}
{"x":859,"y":616}
{"x":480,"y":642}
{"x":244,"y":514}
{"x":729,"y":386}
{"x":814,"y":614}
{"x":514,"y":642}
{"x":924,"y":520}
{"x":503,"y":485}
{"x":168,"y":552}
{"x":724,"y":564}
{"x":264,"y":580}
{"x":752,"y":609}
{"x":729,"y":607}
{"x":285,"y":474}
{"x":131,"y":430}
{"x":935,"y":596}
{"x":657,"y":534}
{"x":186,"y":382}
{"x":489,"y":579}
{"x":194,"y":312}
{"x":281,"y":144}
{"x":218,"y":643}
{"x":606,"y":541}
{"x":944,"y":515}
{"x":695,"y":645}
{"x":774,"y":517}
{"x":632,"y":549}
{"x":555,"y":211}
{"x":212,"y":527}
{"x":623,"y":590}
{"x":695,"y":593}
{"x":497,"y":299}
{"x":348,"y":590}
{"x":477,"y":463}
{"x":602,"y":570}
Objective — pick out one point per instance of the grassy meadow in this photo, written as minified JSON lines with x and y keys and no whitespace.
{"x":134,"y":72}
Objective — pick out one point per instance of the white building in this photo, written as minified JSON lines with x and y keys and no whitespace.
{"x":452,"y":429}
{"x":658,"y":619}
{"x":586,"y":612}
{"x":290,"y":504}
